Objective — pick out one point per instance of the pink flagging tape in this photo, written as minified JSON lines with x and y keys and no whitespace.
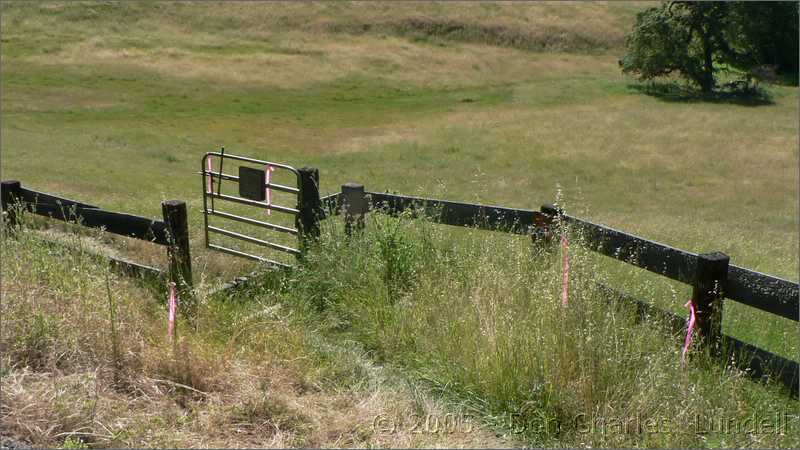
{"x":689,"y":330}
{"x":173,"y":306}
{"x":269,"y":169}
{"x":565,"y":271}
{"x":209,"y":179}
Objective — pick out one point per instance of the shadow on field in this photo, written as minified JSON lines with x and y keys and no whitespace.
{"x":674,"y":92}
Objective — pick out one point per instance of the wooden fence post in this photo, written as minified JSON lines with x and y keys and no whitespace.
{"x":710,"y":278}
{"x":180,"y":261}
{"x":10,"y":192}
{"x":354,"y":204}
{"x":309,"y":204}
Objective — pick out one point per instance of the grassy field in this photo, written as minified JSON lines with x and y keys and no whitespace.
{"x":503,"y":103}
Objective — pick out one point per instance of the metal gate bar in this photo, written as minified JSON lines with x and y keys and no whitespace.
{"x":245,"y":201}
{"x":255,"y":222}
{"x":277,"y":187}
{"x":215,"y":194}
{"x":231,"y":251}
{"x":253,"y":240}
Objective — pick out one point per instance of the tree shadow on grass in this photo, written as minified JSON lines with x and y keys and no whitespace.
{"x":730,"y":94}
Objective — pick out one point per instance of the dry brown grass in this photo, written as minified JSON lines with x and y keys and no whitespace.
{"x":596,"y":23}
{"x":292,"y":45}
{"x":318,"y":59}
{"x":528,"y":25}
{"x":264,"y":407}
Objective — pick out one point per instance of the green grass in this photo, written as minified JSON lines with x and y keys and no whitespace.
{"x":479,"y":318}
{"x":114,"y":104}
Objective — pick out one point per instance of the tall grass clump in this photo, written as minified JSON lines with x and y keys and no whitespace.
{"x":61,"y":309}
{"x":478,"y":315}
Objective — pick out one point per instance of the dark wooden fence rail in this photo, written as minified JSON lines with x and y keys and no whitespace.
{"x":495,"y":218}
{"x":113,"y":222}
{"x":330,"y":204}
{"x":658,"y":258}
{"x":31,"y":196}
{"x":765,"y":292}
{"x":710,"y":274}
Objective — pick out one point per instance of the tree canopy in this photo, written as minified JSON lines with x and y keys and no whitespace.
{"x":696,"y":39}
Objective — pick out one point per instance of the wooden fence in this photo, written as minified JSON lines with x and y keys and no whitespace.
{"x":711,"y":275}
{"x":172,"y":232}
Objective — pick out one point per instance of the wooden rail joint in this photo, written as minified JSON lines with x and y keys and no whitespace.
{"x":545,"y":224}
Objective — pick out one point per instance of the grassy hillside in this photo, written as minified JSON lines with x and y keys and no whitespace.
{"x":89,"y":89}
{"x":504,"y":103}
{"x":115,"y":104}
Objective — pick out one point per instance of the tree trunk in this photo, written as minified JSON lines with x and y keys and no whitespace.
{"x":707,"y":83}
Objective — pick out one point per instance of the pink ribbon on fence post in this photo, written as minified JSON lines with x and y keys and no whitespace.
{"x":209,"y":180}
{"x":269,"y":169}
{"x":565,"y":270}
{"x":173,"y":306}
{"x":689,"y":330}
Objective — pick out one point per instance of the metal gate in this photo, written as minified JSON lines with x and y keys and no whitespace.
{"x":255,"y":186}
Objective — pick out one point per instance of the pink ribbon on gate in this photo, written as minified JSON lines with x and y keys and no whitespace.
{"x":209,"y":180}
{"x":689,"y":330}
{"x":565,"y":270}
{"x":173,"y":306}
{"x":269,"y":169}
